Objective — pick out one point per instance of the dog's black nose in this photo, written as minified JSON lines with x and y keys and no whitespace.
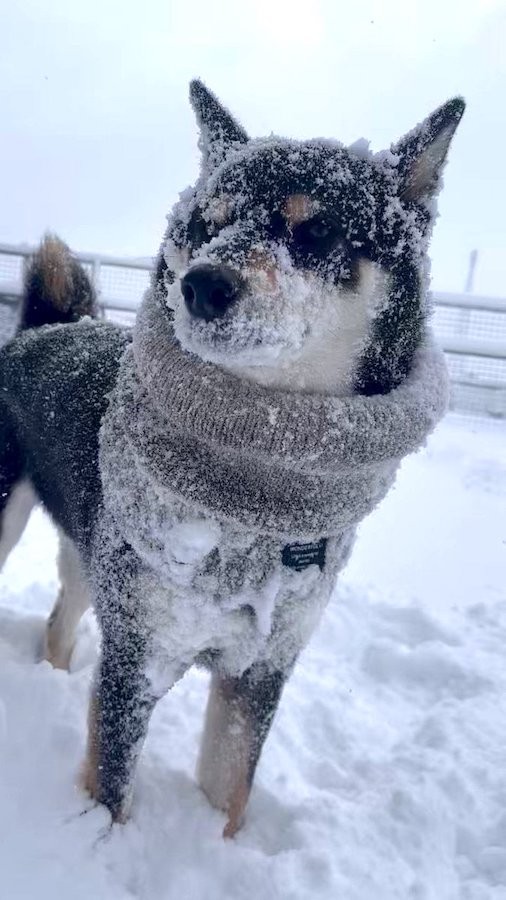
{"x":208,"y":290}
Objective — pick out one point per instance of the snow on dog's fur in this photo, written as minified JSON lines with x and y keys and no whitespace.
{"x":209,"y":473}
{"x":322,"y":250}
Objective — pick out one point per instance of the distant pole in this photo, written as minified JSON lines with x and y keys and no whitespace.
{"x":473,"y":258}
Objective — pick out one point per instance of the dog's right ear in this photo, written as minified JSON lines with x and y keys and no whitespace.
{"x":218,"y":129}
{"x":422,"y":152}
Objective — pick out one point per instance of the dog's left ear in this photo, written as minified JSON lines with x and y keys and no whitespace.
{"x":218,"y":129}
{"x":422,"y":152}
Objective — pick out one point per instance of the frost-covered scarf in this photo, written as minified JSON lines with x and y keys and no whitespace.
{"x":184,"y":438}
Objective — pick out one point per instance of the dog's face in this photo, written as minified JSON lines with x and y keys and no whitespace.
{"x":300,"y":264}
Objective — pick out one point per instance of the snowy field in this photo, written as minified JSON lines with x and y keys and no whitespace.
{"x":385,"y":773}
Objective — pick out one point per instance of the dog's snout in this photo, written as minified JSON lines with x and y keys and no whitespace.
{"x":209,"y":290}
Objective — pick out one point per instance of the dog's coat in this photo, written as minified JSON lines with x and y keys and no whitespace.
{"x":213,"y":515}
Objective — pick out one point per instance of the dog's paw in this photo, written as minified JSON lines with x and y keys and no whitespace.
{"x":234,"y":823}
{"x":56,"y":659}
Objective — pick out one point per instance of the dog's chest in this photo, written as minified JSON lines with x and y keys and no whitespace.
{"x":199,"y":556}
{"x":216,"y":593}
{"x":213,"y":583}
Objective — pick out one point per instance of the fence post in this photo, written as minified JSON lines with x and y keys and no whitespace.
{"x":96,"y":279}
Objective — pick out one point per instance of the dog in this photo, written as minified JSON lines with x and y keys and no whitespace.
{"x":208,"y":470}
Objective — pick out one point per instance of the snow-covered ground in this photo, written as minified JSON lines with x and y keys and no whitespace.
{"x":385,"y":773}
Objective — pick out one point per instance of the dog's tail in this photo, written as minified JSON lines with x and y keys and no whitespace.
{"x":56,"y":287}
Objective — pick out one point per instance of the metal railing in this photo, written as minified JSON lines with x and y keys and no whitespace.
{"x":471,"y":328}
{"x":99,"y":266}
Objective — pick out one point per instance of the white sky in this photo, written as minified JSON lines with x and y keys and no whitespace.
{"x":98,"y":136}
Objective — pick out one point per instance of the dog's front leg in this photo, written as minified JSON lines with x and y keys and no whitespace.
{"x":120,"y":708}
{"x":238,"y":717}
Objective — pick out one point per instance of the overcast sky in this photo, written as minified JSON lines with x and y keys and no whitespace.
{"x":98,"y":137}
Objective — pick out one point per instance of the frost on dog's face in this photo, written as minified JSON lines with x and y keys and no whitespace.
{"x":269,"y":215}
{"x":318,"y":251}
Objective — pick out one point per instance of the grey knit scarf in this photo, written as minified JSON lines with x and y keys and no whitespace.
{"x":186,"y":442}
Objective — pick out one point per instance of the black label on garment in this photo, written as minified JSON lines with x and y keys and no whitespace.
{"x":300,"y":556}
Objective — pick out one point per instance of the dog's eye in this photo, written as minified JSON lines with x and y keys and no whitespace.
{"x":314,"y":231}
{"x":317,"y":243}
{"x":316,"y":235}
{"x":319,"y":229}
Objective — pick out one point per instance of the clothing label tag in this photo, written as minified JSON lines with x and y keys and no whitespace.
{"x":300,"y":556}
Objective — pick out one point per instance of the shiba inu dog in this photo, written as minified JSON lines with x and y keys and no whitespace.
{"x":209,"y":470}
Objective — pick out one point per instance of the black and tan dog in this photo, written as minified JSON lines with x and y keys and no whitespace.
{"x":208,"y":474}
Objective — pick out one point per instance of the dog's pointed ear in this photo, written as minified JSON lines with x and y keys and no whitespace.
{"x":218,"y":129}
{"x":422,"y":153}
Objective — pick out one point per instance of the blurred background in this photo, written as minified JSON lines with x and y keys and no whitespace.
{"x":98,"y":136}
